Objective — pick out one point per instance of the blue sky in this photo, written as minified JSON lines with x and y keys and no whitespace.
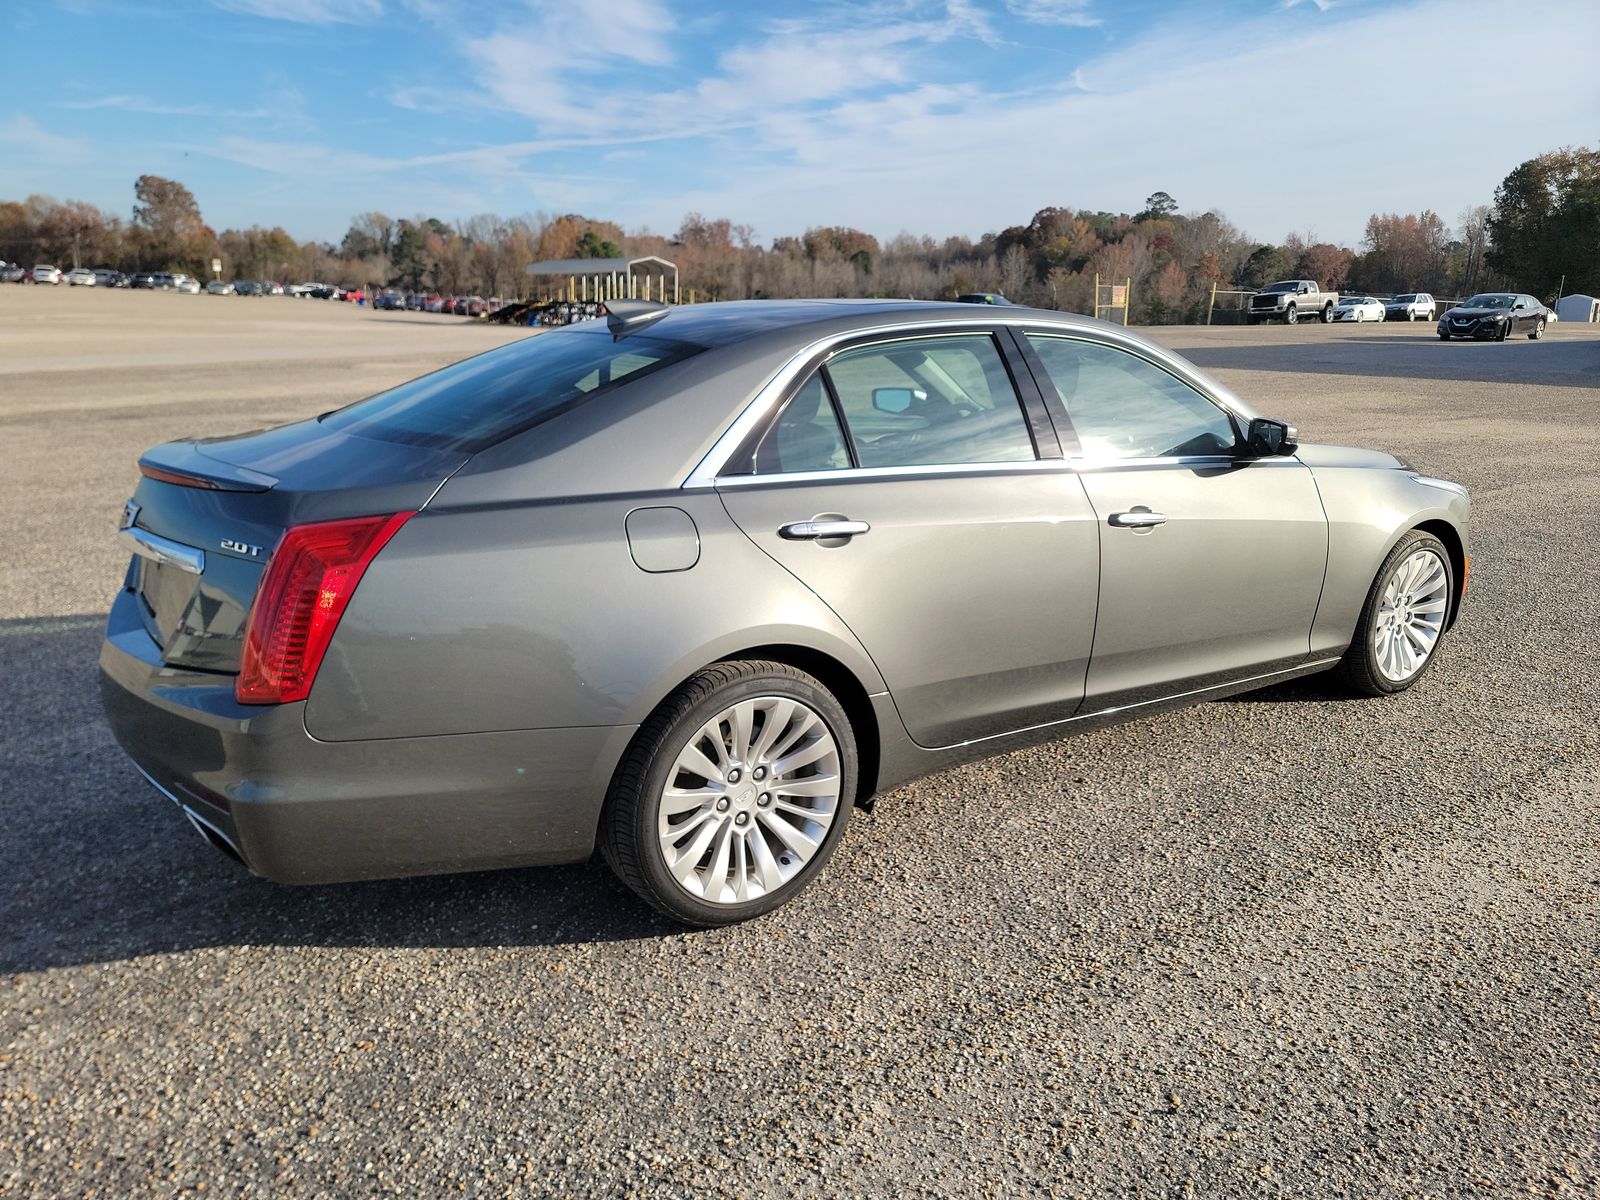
{"x":941,"y":117}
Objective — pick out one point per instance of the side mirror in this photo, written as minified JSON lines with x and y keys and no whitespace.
{"x":1267,"y":438}
{"x":896,"y":400}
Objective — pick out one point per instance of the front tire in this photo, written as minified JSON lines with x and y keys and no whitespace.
{"x":1290,"y":317}
{"x":1401,"y":623}
{"x":733,"y":795}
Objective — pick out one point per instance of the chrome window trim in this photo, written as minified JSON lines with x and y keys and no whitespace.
{"x":706,"y":473}
{"x":1064,"y":466}
{"x":842,"y":474}
{"x":163,"y":550}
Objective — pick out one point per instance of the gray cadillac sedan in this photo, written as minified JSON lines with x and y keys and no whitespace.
{"x":690,"y":584}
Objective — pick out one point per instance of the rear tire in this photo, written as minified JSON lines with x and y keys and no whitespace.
{"x":1538,"y":331}
{"x":656,"y":831}
{"x":1327,"y":313}
{"x":1415,"y":576}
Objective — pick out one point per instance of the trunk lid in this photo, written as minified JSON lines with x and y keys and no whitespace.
{"x":222,"y":504}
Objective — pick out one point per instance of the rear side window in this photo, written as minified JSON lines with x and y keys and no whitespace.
{"x":482,"y":400}
{"x":806,"y":436}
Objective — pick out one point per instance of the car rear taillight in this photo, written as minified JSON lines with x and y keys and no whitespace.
{"x":307,"y":585}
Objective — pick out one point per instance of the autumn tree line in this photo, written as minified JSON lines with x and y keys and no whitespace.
{"x":1543,"y":227}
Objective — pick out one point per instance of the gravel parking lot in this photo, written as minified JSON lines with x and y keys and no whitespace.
{"x":1285,"y":945}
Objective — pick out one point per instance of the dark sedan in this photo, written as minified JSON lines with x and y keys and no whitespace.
{"x":686,"y":585}
{"x":1495,"y":316}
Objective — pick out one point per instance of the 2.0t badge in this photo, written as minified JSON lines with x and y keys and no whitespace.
{"x":240,"y":547}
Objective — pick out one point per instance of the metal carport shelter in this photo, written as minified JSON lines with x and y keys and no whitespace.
{"x":641,"y":278}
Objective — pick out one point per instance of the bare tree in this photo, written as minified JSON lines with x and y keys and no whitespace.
{"x":1474,"y":238}
{"x":1015,"y":272}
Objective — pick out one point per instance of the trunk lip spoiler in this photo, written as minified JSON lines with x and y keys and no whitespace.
{"x":186,"y":458}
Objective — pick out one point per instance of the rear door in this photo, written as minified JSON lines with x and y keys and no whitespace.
{"x":917,"y":488}
{"x":1211,"y":564}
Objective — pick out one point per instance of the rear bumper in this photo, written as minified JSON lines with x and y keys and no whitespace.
{"x":298,"y":810}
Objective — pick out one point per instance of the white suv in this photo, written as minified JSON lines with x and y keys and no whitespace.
{"x":1413,"y":306}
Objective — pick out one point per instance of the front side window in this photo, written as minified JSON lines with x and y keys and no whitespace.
{"x":1123,"y":406}
{"x":930,"y":401}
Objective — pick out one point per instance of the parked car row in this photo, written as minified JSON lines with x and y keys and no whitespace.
{"x":167,"y":281}
{"x":393,"y":300}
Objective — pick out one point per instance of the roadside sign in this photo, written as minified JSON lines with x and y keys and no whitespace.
{"x":216,"y":267}
{"x":1119,"y":295}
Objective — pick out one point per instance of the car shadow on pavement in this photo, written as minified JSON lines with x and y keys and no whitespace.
{"x":96,"y":866}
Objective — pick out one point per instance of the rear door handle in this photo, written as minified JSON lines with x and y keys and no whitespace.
{"x":810,"y":531}
{"x":1139,"y":518}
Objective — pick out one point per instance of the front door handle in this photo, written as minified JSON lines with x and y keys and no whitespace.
{"x":815,"y":530}
{"x":1139,"y":518}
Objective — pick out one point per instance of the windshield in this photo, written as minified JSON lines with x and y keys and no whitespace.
{"x":1402,"y":300}
{"x":1496,"y":300}
{"x":482,"y":400}
{"x":1290,"y":286}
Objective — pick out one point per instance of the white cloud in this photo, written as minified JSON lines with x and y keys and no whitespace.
{"x":574,"y":79}
{"x":25,"y":136}
{"x":1167,"y":113}
{"x":547,"y":62}
{"x":146,"y":106}
{"x":1055,"y":12}
{"x":310,"y":12}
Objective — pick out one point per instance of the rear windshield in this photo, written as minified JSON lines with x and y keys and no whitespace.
{"x":482,"y":400}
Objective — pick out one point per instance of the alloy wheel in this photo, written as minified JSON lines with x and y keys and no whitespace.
{"x":749,"y":800}
{"x":1410,"y":615}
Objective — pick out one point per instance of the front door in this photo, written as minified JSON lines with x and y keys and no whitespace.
{"x":902,"y":485}
{"x":1211,"y":564}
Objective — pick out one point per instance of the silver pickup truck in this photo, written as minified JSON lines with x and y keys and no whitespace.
{"x":1290,"y":300}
